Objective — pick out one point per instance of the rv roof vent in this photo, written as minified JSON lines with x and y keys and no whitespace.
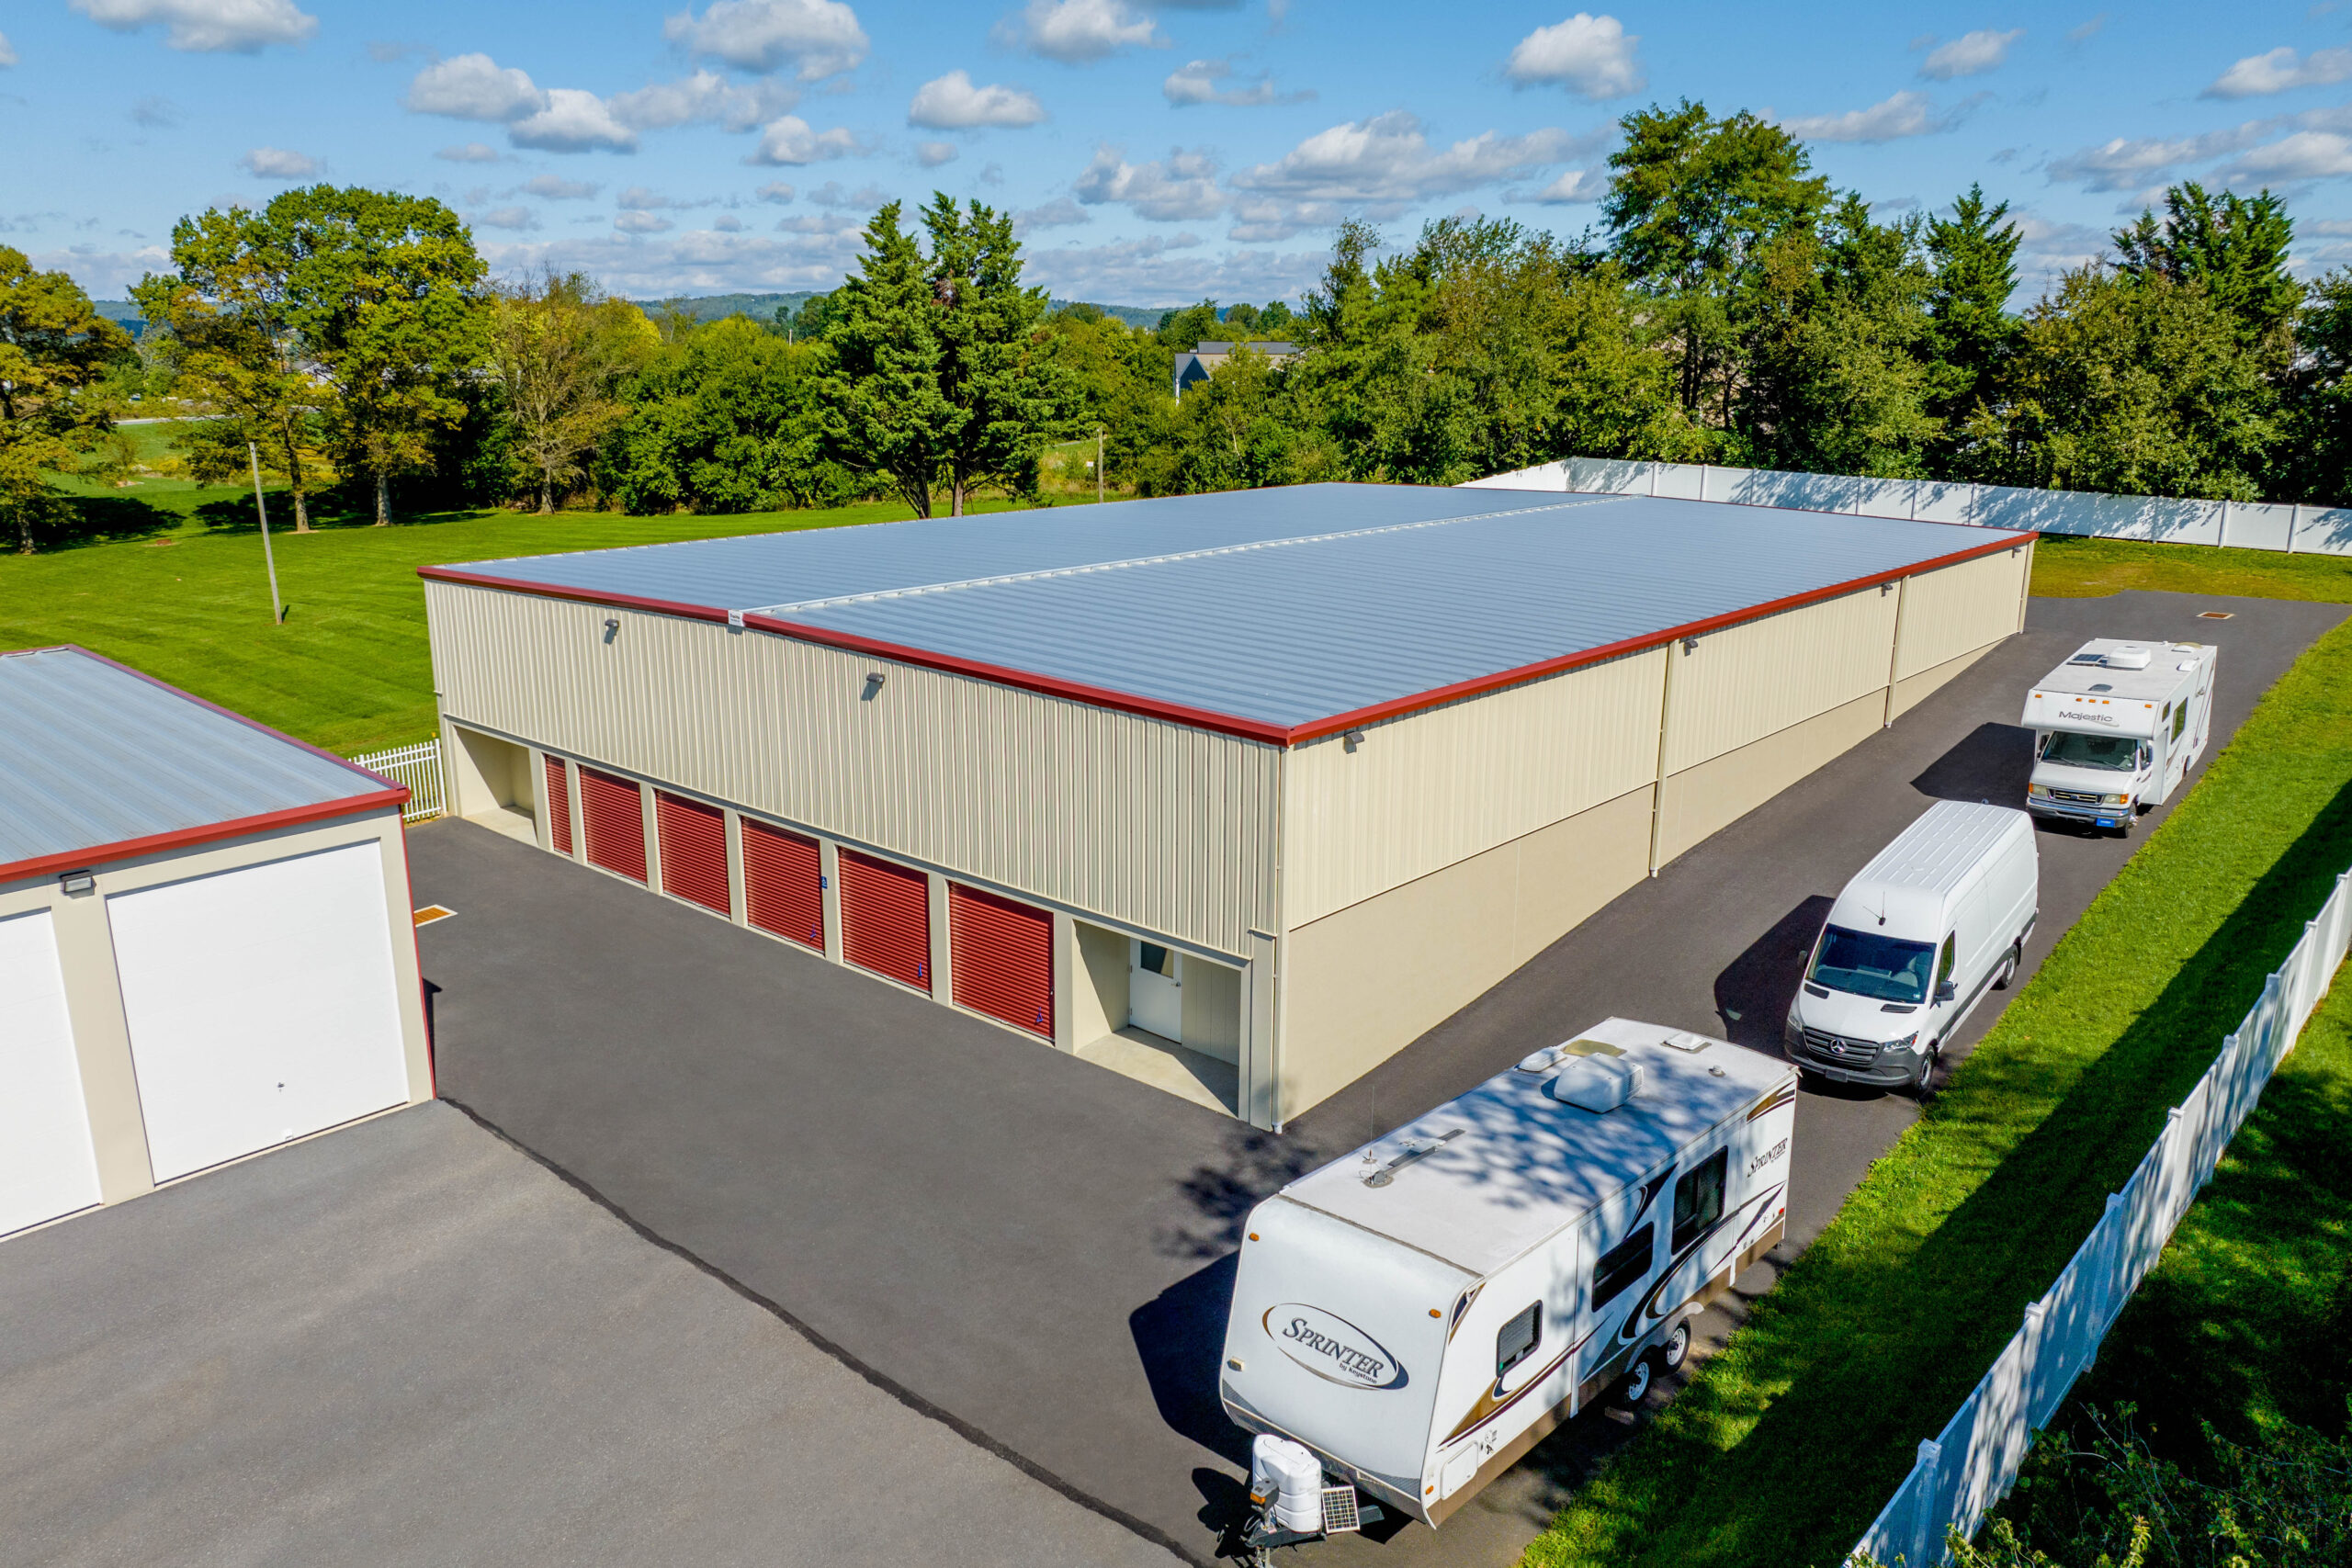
{"x":1683,"y":1039}
{"x":1599,"y":1084}
{"x":2128,"y":658}
{"x":1543,"y":1060}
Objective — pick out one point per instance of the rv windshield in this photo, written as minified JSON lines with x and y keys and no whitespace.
{"x":2118,"y":753}
{"x":1875,"y":966}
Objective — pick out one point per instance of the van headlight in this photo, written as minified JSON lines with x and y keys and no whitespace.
{"x":2036,"y":791}
{"x":2115,"y":800}
{"x":1908,"y":1043}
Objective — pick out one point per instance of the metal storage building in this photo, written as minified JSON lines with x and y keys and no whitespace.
{"x":1265,"y":783}
{"x":206,"y":946}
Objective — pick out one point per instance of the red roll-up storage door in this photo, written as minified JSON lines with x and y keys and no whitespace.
{"x":614,"y":813}
{"x":1004,"y":958}
{"x":783,"y":892}
{"x":694,"y":852}
{"x":559,"y":806}
{"x":885,"y":918}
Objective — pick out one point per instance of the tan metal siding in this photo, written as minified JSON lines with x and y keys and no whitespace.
{"x":1158,"y":826}
{"x":1749,"y":680}
{"x":1435,"y":788}
{"x":1958,"y":609}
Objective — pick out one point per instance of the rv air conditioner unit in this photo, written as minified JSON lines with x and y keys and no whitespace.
{"x":1599,"y":1084}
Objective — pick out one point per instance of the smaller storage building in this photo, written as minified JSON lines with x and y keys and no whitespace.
{"x":206,"y":942}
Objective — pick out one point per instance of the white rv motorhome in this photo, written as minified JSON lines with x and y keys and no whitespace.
{"x":1421,"y":1311}
{"x":2117,"y":727}
{"x":1937,"y":919}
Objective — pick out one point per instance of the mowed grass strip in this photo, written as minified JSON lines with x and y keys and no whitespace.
{"x":2067,"y":567}
{"x":1785,"y":1446}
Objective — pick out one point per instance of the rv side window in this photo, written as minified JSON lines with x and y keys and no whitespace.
{"x":1699,"y":1198}
{"x":2179,"y":720}
{"x":1622,"y":1267}
{"x":1516,"y":1340}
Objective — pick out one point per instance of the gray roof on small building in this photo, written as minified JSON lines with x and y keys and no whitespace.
{"x":1278,"y":607}
{"x":93,"y":755}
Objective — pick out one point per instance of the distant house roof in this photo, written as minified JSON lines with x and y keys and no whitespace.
{"x":1256,"y":347}
{"x":99,"y":762}
{"x":1279,"y":615}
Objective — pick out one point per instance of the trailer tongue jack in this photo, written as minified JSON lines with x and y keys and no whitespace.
{"x":1290,"y":1504}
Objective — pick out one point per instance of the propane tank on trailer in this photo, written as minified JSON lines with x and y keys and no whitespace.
{"x":1290,"y":1477}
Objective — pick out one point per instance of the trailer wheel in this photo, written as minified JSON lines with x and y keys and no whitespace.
{"x":1636,"y":1386}
{"x":1676,"y":1347}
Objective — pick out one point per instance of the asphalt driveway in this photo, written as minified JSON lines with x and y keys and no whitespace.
{"x":1040,"y":1248}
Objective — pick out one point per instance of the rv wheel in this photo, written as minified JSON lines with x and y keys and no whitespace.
{"x":1637,"y":1383}
{"x":1677,"y":1346}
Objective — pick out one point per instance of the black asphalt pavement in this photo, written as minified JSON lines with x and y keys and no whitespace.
{"x":1040,"y":1249}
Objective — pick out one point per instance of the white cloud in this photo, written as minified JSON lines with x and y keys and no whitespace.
{"x":1203,"y":82}
{"x":157,"y":112}
{"x":2088,"y":30}
{"x":1905,"y":114}
{"x":1268,"y":221}
{"x":728,"y":223}
{"x":507,"y":217}
{"x":474,"y":86}
{"x":775,"y":191}
{"x":574,"y":120}
{"x":1385,"y":164}
{"x":277,"y":163}
{"x":640,"y":198}
{"x":2280,"y":69}
{"x":1059,"y":213}
{"x":206,"y":26}
{"x":104,"y":275}
{"x":7,"y":52}
{"x":1590,"y":56}
{"x":641,"y":223}
{"x":1170,"y":271}
{"x":820,"y":37}
{"x":1971,"y":54}
{"x":1181,"y":185}
{"x":2130,"y":164}
{"x":836,"y":197}
{"x":469,"y":152}
{"x":2305,"y":155}
{"x":953,"y":103}
{"x":554,"y":188}
{"x":1076,"y":31}
{"x":1574,"y":185}
{"x":705,"y":97}
{"x":932,"y":154}
{"x":789,"y":140}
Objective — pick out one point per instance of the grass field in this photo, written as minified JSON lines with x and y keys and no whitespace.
{"x":1785,"y":1446}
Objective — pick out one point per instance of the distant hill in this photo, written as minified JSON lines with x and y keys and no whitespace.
{"x":762,"y":306}
{"x":123,"y":312}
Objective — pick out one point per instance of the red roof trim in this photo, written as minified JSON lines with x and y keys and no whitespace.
{"x":211,"y":832}
{"x":1224,"y":723}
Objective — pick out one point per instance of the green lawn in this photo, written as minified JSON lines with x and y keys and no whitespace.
{"x":178,"y":591}
{"x":2079,"y":568}
{"x":1786,"y":1445}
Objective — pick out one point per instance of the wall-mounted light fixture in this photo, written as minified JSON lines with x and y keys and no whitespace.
{"x":75,"y":884}
{"x":1690,"y":645}
{"x":612,"y":627}
{"x":874,"y":679}
{"x":1354,"y":738}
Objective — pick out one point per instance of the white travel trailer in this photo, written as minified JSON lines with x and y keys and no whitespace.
{"x":1421,"y":1311}
{"x":1937,"y":919}
{"x":2117,"y":727}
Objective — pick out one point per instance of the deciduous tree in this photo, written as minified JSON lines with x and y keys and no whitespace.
{"x":561,"y":349}
{"x":53,"y":354}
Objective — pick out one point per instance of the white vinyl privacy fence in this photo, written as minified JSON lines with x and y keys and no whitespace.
{"x":418,"y":767}
{"x":2318,"y":530}
{"x":1971,"y":1463}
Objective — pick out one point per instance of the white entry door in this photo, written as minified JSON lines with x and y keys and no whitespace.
{"x":1156,"y":989}
{"x":262,"y":1004}
{"x":47,"y":1165}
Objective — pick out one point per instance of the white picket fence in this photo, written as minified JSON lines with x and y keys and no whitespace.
{"x":419,"y":767}
{"x":1971,"y":1462}
{"x":2316,"y":530}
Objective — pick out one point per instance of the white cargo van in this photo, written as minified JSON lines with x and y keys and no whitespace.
{"x":1936,"y":919}
{"x":2117,"y":727}
{"x":1421,"y":1311}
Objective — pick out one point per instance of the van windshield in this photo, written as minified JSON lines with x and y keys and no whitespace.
{"x":2119,"y":752}
{"x":1876,"y":967}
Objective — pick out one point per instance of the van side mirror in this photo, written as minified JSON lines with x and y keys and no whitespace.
{"x":1946,"y":991}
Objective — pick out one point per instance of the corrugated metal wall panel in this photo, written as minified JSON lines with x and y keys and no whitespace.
{"x":1957,"y":609}
{"x":783,"y":886}
{"x":885,"y":918}
{"x":559,"y":806}
{"x":1749,"y":680}
{"x":1160,"y":827}
{"x":1004,"y":958}
{"x":694,"y":852}
{"x":614,"y":810}
{"x":1438,"y":787}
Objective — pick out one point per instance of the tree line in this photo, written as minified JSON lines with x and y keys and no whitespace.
{"x":1729,"y":305}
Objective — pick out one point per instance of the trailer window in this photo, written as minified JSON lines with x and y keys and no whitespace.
{"x":1699,"y":1198}
{"x":1518,"y":1339}
{"x":1623,"y":1266}
{"x":1867,"y":965}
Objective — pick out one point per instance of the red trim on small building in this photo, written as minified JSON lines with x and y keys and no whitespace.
{"x":211,"y":832}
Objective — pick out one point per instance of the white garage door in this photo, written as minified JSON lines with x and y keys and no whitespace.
{"x":261,"y":1004}
{"x":47,"y":1165}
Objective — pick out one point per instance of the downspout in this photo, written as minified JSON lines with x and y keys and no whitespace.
{"x":1664,"y":728}
{"x":1893,"y":649}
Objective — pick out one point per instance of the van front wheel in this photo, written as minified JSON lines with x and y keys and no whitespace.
{"x":1924,"y":1085}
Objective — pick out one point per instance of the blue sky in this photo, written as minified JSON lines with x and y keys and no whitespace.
{"x":1156,"y":154}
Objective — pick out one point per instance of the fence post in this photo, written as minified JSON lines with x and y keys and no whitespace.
{"x":2294,"y":525}
{"x":1927,"y":1521}
{"x":2224,"y":537}
{"x":1655,"y":465}
{"x":2111,"y":1221}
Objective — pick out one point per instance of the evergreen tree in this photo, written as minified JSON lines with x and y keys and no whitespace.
{"x":1003,"y":393}
{"x":882,"y":405}
{"x":1971,"y":333}
{"x":2234,"y":246}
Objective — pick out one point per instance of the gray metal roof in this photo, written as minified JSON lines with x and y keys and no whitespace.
{"x":93,"y":755}
{"x":1281,"y":607}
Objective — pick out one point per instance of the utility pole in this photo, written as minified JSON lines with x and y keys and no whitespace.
{"x":277,"y":613}
{"x":1098,"y":465}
